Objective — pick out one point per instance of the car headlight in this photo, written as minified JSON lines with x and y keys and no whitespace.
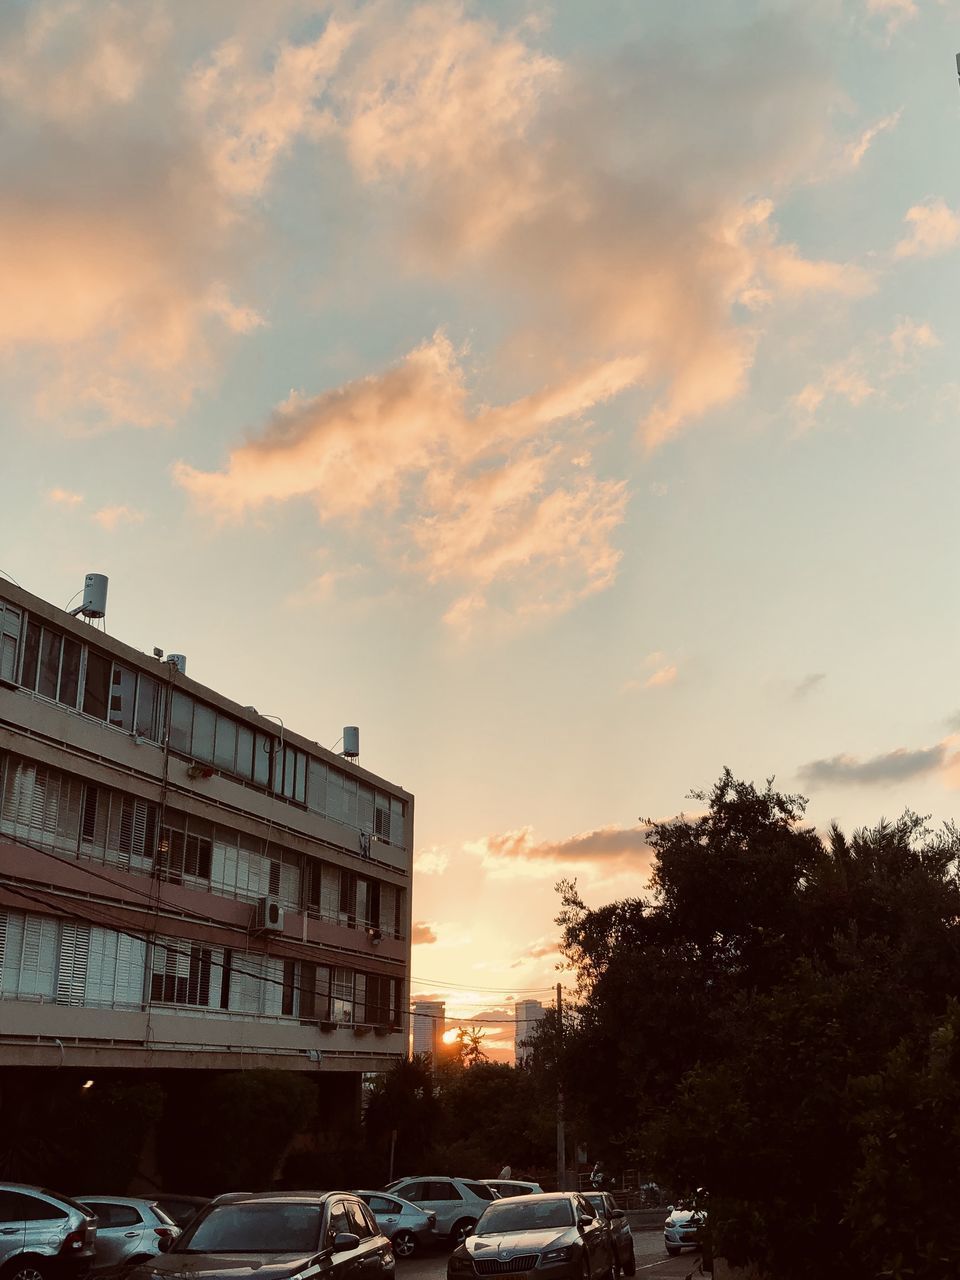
{"x":461,"y":1266}
{"x":558,"y":1255}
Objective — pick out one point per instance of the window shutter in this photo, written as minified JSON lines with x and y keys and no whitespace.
{"x":3,"y":943}
{"x":72,"y":966}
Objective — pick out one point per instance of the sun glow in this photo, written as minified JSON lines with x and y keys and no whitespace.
{"x":450,"y":1037}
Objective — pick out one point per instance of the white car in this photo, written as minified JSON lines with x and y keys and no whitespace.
{"x":129,"y":1230}
{"x":457,"y":1202}
{"x":512,"y":1187}
{"x":683,"y":1227}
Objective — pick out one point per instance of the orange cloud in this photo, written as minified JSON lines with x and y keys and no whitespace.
{"x":662,"y":676}
{"x":933,"y":228}
{"x":110,"y":518}
{"x":516,"y":853}
{"x":422,"y":933}
{"x":489,"y":503}
{"x":64,"y":497}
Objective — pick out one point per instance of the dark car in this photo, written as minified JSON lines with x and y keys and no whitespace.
{"x":182,"y":1209}
{"x":557,"y":1234}
{"x":44,"y":1234}
{"x":275,"y":1235}
{"x":620,"y":1234}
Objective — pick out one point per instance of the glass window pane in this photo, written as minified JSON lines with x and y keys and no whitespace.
{"x":70,"y":672}
{"x":261,"y":759}
{"x":181,"y":722}
{"x":49,"y":664}
{"x":123,"y":697}
{"x":244,"y":751}
{"x":225,"y":746}
{"x":289,"y":770}
{"x":31,"y":655}
{"x":148,"y":708}
{"x":96,"y":686}
{"x":204,"y":725}
{"x":300,"y":783}
{"x":317,"y":786}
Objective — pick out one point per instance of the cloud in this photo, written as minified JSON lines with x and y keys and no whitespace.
{"x":856,"y":150}
{"x":487,"y":501}
{"x":662,"y":676}
{"x":614,"y":240}
{"x":422,"y":933}
{"x":516,"y":853}
{"x":431,"y":862}
{"x":868,"y":370}
{"x":64,"y":497}
{"x":803,"y":688}
{"x":895,"y":12}
{"x":933,"y":228}
{"x":539,"y":950}
{"x":882,"y":770}
{"x":111,"y":518}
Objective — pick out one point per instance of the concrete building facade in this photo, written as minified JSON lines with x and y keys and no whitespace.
{"x":528,"y":1014}
{"x":429,"y":1024}
{"x":183,"y":882}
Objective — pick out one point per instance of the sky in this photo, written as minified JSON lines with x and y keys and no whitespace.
{"x":565,"y":394}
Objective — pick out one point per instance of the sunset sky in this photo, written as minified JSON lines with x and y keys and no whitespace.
{"x":565,"y":393}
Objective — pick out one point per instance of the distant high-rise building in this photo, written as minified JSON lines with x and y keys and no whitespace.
{"x":428,"y":1026}
{"x":528,"y":1014}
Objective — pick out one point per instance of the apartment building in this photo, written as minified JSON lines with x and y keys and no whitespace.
{"x":528,"y":1015}
{"x":429,"y":1024}
{"x":185,"y":883}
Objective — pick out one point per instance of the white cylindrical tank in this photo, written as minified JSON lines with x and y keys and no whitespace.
{"x":178,"y":660}
{"x":94,"y":596}
{"x":351,"y":740}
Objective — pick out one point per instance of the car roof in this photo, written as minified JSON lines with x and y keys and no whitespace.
{"x":539,"y":1196}
{"x":257,"y":1197}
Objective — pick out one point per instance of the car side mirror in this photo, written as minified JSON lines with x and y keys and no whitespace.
{"x":669,"y":1208}
{"x":616,"y":1215}
{"x":344,"y":1241}
{"x":583,"y":1220}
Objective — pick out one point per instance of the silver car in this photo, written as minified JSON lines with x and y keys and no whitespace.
{"x":43,"y":1234}
{"x":407,"y":1226}
{"x":457,"y":1202}
{"x":129,"y":1230}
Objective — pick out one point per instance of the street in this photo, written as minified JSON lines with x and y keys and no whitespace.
{"x":652,"y":1261}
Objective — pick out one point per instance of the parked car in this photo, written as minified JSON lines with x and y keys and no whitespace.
{"x":408,"y":1227}
{"x":511,"y":1187}
{"x":457,"y":1202}
{"x":128,"y":1230}
{"x":273,"y":1235}
{"x":43,"y":1234}
{"x":182,"y":1209}
{"x":621,"y":1237}
{"x":684,"y":1224}
{"x":557,"y":1233}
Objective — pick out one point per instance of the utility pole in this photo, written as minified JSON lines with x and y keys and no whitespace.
{"x":561,"y":1137}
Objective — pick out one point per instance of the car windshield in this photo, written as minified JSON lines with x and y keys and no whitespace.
{"x":255,"y":1228}
{"x":524,"y":1216}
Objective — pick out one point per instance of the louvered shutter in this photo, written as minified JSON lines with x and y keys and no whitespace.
{"x":38,"y":957}
{"x":73,"y":960}
{"x":3,"y":943}
{"x":131,"y":963}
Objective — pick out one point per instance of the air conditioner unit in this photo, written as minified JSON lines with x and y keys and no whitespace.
{"x":269,"y":916}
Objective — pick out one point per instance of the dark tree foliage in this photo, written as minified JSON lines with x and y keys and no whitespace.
{"x":774,"y":1021}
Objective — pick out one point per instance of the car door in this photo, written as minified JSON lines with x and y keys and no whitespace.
{"x":45,"y":1226}
{"x":346,"y":1265}
{"x":386,"y":1212}
{"x":439,"y":1196}
{"x":594,"y":1233}
{"x":120,"y":1233}
{"x":373,"y":1242}
{"x":12,"y":1225}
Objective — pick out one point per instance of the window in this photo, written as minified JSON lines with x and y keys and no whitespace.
{"x":442,"y":1191}
{"x":115,"y":1215}
{"x":317,"y":786}
{"x":368,"y":902}
{"x":338,"y":1223}
{"x":123,"y":697}
{"x":149,"y":721}
{"x":51,"y":664}
{"x":225,"y":744}
{"x":341,"y":995}
{"x":380,"y":1204}
{"x":15,"y":1207}
{"x":381,"y":818}
{"x":180,"y":973}
{"x":204,"y":729}
{"x":10,"y":619}
{"x":184,"y":853}
{"x":358,"y":1222}
{"x":96,"y":686}
{"x":380,"y":1000}
{"x":181,"y":722}
{"x":289,"y":987}
{"x":132,"y":831}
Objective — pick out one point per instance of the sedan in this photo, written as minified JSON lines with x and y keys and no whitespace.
{"x":276,"y":1235}
{"x":408,"y":1227}
{"x":558,"y":1235}
{"x":683,"y":1227}
{"x":129,"y":1230}
{"x":621,"y":1236}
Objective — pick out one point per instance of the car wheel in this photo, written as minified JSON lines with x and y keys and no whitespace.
{"x":673,"y":1250}
{"x":629,"y":1268}
{"x":461,"y":1230}
{"x":586,"y":1268}
{"x":24,"y":1269}
{"x":404,"y":1244}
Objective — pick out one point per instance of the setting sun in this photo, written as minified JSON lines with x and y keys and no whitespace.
{"x":450,"y":1037}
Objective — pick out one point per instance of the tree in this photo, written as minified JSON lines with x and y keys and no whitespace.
{"x":736,"y":1022}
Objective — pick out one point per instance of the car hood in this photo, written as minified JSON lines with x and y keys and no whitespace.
{"x":512,"y":1243}
{"x":681,"y":1217}
{"x":230,"y":1266}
